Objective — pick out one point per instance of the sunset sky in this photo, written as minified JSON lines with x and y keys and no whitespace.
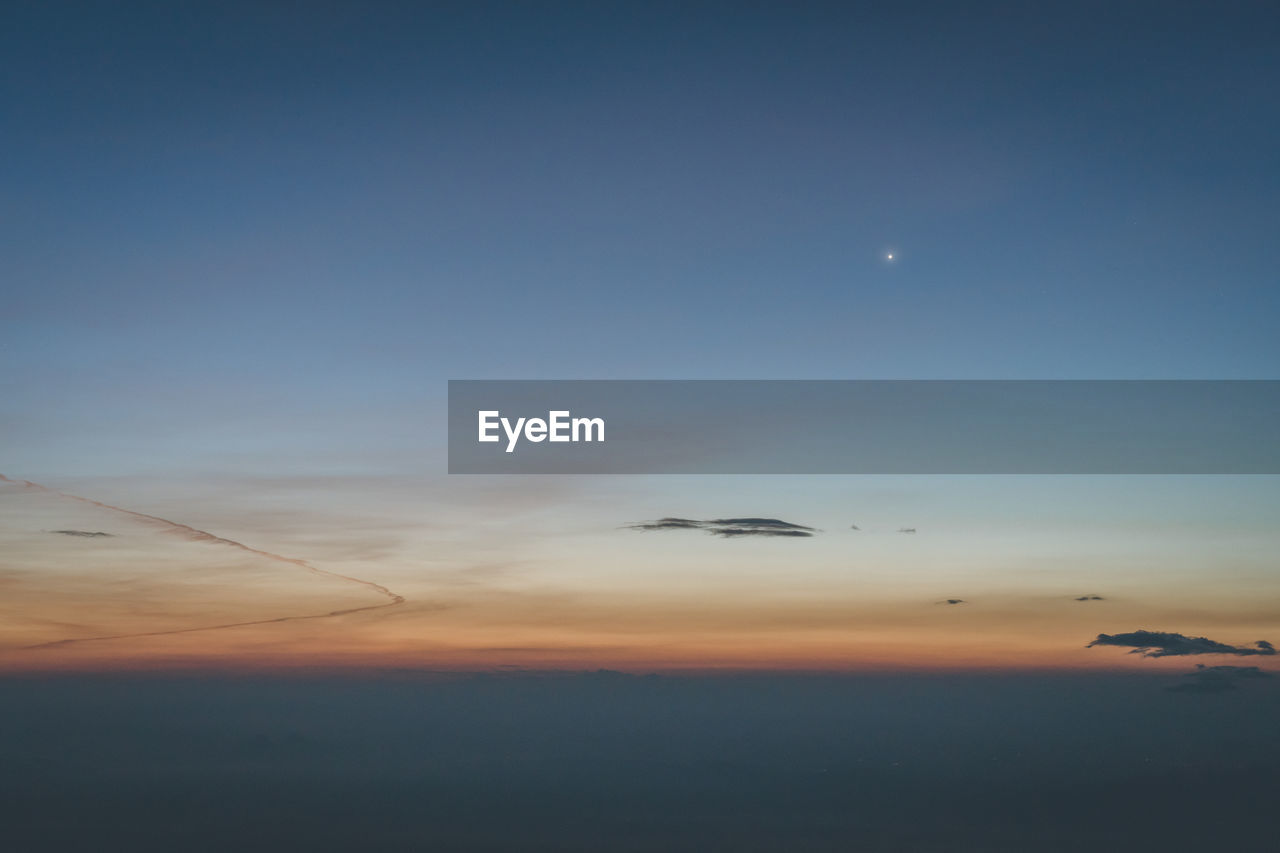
{"x":544,"y":574}
{"x":245,"y":250}
{"x":245,"y":247}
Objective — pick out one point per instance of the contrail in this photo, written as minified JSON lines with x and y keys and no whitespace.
{"x":202,"y":536}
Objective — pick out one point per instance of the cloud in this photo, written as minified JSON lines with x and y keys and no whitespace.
{"x":729,"y":527}
{"x":1217,"y":679}
{"x":85,"y":533}
{"x":195,"y":535}
{"x":1160,"y":644}
{"x":1090,"y":598}
{"x":668,"y":524}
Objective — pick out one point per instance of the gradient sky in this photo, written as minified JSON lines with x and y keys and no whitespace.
{"x":245,"y":245}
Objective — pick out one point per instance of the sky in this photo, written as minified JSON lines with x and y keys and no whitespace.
{"x":246,"y":245}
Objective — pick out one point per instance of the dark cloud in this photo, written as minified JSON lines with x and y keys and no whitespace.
{"x":756,"y":531}
{"x":1216,"y":679}
{"x":729,"y":527}
{"x":760,"y":522}
{"x":668,"y":524}
{"x":86,"y":533}
{"x":1160,"y":644}
{"x":1090,"y":598}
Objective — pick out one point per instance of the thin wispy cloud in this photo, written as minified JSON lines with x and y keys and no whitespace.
{"x":195,"y":535}
{"x":729,"y":527}
{"x":1160,"y":644}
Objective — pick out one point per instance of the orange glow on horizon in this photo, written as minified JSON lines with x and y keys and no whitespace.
{"x":91,"y":587}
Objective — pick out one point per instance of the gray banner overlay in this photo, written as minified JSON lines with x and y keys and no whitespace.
{"x":865,"y":427}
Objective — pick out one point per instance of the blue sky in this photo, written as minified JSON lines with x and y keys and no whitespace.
{"x":236,"y":215}
{"x":373,"y":201}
